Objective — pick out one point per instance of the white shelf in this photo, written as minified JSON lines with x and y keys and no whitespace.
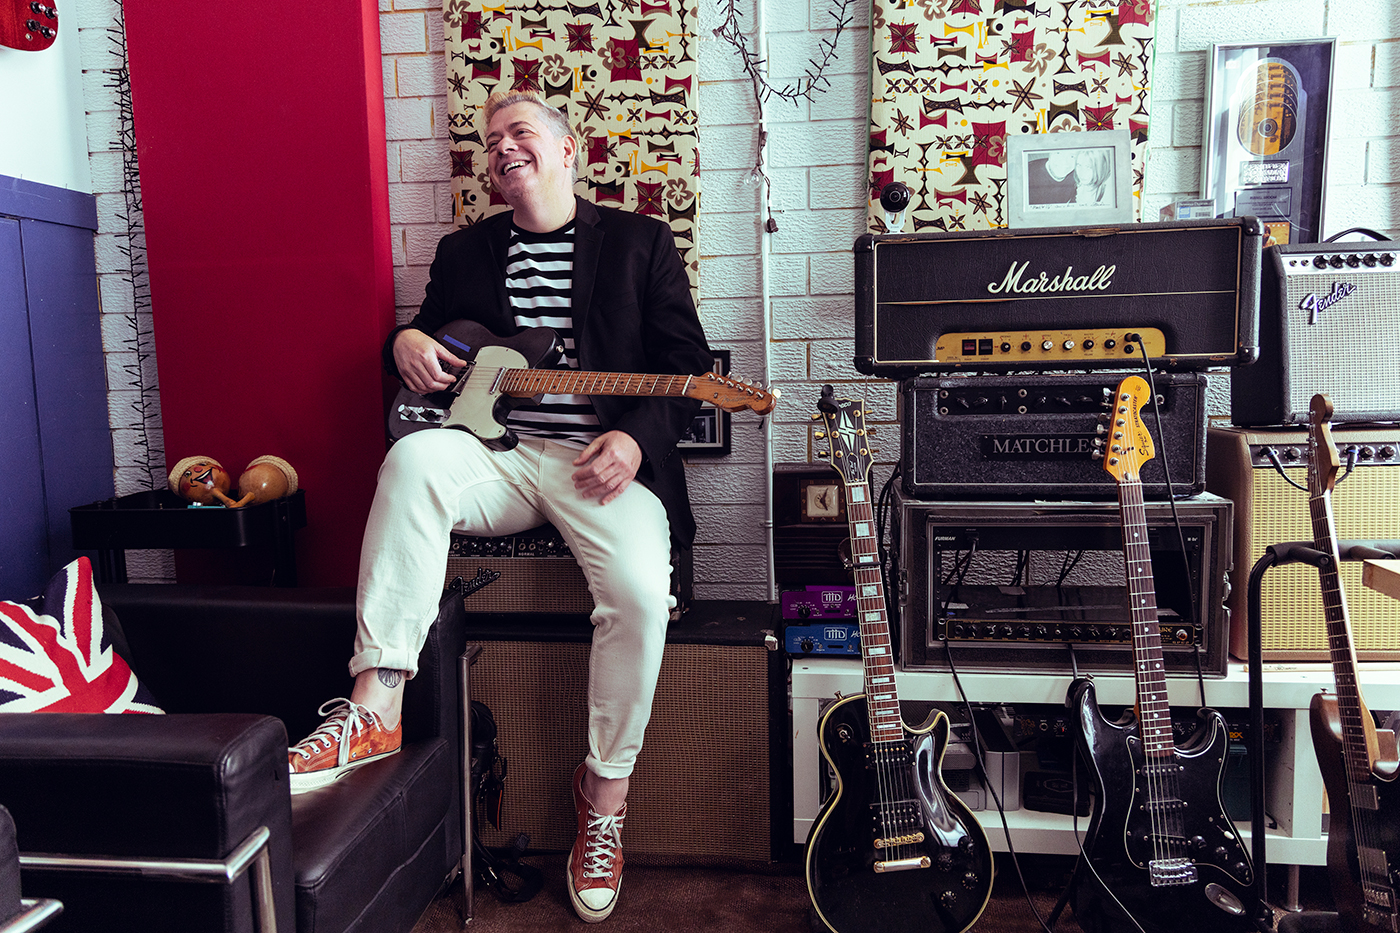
{"x":1293,"y":795}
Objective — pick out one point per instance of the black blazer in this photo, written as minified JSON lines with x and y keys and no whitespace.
{"x":632,"y":313}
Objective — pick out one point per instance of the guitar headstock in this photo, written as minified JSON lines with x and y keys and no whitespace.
{"x":1129,"y":443}
{"x":847,"y":440}
{"x":733,"y":394}
{"x":1323,"y":461}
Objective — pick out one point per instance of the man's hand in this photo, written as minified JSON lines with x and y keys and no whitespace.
{"x":416,"y":355}
{"x":607,"y":466}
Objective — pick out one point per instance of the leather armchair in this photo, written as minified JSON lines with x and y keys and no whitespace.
{"x":237,"y":670}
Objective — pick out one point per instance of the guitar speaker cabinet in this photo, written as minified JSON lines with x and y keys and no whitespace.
{"x":707,"y":782}
{"x":1365,"y":505}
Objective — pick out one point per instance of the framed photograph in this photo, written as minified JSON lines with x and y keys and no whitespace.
{"x":709,"y":432}
{"x":1069,"y":179}
{"x":1266,"y":129}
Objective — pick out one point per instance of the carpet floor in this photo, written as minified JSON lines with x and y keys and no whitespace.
{"x":666,"y":898}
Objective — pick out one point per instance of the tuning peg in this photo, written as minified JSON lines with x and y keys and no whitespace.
{"x":819,"y":435}
{"x":869,"y":430}
{"x":816,"y":417}
{"x":823,"y":454}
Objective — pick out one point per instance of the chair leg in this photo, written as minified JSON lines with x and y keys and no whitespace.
{"x":468,"y":871}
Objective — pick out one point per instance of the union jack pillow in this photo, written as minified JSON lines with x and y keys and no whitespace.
{"x":56,"y":655}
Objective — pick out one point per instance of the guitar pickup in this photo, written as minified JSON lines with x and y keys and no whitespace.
{"x":893,"y":841}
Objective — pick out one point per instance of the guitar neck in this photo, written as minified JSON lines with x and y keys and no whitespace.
{"x":1358,"y":729}
{"x":881,"y":700}
{"x":525,"y":383}
{"x":1154,"y":712}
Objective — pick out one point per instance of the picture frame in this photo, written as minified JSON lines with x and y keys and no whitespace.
{"x":1267,"y":125}
{"x":1069,"y":179}
{"x":709,"y":433}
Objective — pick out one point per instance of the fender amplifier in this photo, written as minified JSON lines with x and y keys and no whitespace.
{"x":1032,"y":437}
{"x":1058,"y":298}
{"x":1240,"y":464}
{"x":1327,"y":319}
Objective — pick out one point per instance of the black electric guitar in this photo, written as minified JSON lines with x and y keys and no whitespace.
{"x":1160,"y":849}
{"x":28,"y":25}
{"x":1358,"y":761}
{"x":893,"y":850}
{"x":505,"y":372}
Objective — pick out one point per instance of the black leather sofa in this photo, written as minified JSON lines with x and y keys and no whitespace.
{"x":237,"y":670}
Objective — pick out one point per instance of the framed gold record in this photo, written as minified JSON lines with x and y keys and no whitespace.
{"x":1266,"y":134}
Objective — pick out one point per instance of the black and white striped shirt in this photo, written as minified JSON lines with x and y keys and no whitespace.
{"x":539,"y":284}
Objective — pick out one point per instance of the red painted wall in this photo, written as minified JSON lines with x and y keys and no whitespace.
{"x":260,"y":138}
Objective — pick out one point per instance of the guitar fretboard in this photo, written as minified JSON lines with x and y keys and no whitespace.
{"x":882,"y":701}
{"x":528,"y":382}
{"x":1154,"y":712}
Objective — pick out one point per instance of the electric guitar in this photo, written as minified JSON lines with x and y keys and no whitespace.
{"x":1357,"y":760}
{"x":892,"y":850}
{"x":1161,"y":853}
{"x":503,"y":372}
{"x":28,"y":25}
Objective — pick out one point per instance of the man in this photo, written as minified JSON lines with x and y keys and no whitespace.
{"x":604,"y":471}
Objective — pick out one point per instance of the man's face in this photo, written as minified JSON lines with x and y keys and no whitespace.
{"x":523,"y":155}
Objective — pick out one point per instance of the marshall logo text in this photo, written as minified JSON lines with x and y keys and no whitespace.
{"x":1096,"y":281}
{"x":1037,"y":446}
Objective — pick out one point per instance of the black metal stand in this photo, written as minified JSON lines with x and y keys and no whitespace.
{"x":1317,"y":921}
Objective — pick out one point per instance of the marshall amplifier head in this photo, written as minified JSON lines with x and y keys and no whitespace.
{"x":1328,"y":314}
{"x":1058,"y":298}
{"x":1032,"y":437}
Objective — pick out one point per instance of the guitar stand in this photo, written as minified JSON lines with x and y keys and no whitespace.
{"x":1268,"y":920}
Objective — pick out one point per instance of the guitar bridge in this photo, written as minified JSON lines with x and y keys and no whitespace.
{"x":903,"y":864}
{"x":1171,"y":871}
{"x":893,"y":841}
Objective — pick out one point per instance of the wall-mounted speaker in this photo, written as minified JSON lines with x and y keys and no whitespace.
{"x":1240,"y":465}
{"x":707,"y":780}
{"x":1327,"y":318}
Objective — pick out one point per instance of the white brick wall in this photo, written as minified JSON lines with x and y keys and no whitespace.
{"x":816,"y":165}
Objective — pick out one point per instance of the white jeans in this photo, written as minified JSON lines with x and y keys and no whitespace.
{"x":435,"y":481}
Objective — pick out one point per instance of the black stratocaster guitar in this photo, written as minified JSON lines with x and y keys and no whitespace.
{"x":1358,"y":761}
{"x":1160,"y":846}
{"x":504,"y":372}
{"x":893,"y":850}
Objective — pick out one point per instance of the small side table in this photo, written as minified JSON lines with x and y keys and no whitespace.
{"x":161,"y":519}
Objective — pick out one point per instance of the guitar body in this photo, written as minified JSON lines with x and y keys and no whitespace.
{"x":848,"y":891}
{"x":479,"y":408}
{"x":1117,"y":845}
{"x":1343,"y":838}
{"x":28,"y":25}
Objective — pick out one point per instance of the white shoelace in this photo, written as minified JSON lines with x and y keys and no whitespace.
{"x":604,"y":838}
{"x":345,"y":718}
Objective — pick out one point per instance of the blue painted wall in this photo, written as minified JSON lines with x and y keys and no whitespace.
{"x":55,"y":439}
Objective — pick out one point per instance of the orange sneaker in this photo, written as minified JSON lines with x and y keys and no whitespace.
{"x":352,"y":735}
{"x":595,"y":864}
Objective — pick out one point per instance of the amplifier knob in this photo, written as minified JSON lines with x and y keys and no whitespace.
{"x":1387,"y":452}
{"x":1353,"y":260}
{"x":1110,"y":343}
{"x":1320,"y":261}
{"x":1006,"y":631}
{"x":1006,"y":347}
{"x":1047,"y":345}
{"x":806,"y":645}
{"x":1023,"y":631}
{"x":1042,"y":631}
{"x":1367,"y":452}
{"x":1369,"y":260}
{"x":1075,"y":632}
{"x":1387,"y":258}
{"x":1069,"y":344}
{"x":1291,"y":453}
{"x":1088,"y":344}
{"x":1336,"y":262}
{"x":1025,"y":346}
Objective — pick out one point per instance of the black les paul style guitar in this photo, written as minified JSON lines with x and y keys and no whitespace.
{"x":892,"y":850}
{"x":1357,"y":760}
{"x":1161,"y":853}
{"x":505,"y":372}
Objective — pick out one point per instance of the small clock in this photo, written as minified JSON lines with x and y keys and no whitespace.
{"x":822,"y":501}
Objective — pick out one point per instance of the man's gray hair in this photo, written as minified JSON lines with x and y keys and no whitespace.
{"x":553,"y":117}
